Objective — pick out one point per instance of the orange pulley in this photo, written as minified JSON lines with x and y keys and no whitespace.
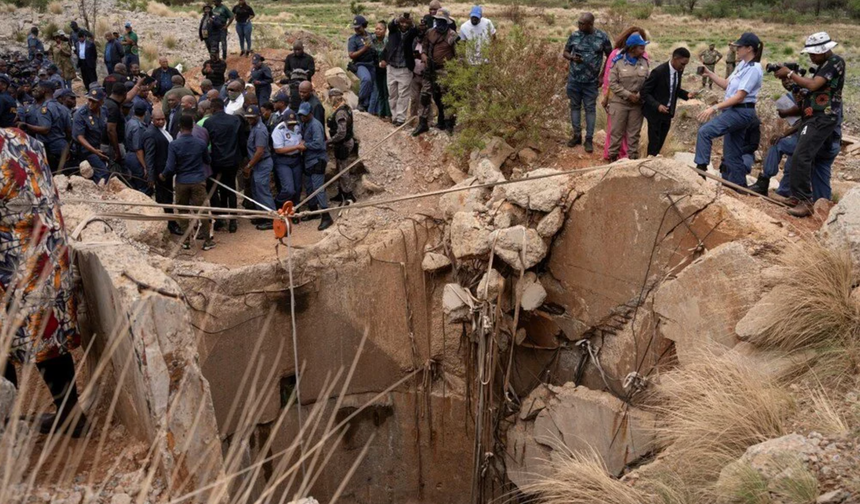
{"x":283,"y":226}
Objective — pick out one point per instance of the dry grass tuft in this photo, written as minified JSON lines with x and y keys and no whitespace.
{"x":713,"y":410}
{"x":333,"y":58}
{"x":149,"y":52}
{"x":741,"y":484}
{"x":582,"y":478}
{"x":816,"y":311}
{"x":170,"y":41}
{"x":158,"y":9}
{"x":55,"y":8}
{"x":825,"y":416}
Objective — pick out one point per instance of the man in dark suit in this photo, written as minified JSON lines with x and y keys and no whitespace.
{"x":156,"y":141}
{"x":87,"y":58}
{"x":660,"y":94}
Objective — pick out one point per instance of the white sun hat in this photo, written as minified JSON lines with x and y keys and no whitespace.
{"x":818,"y":43}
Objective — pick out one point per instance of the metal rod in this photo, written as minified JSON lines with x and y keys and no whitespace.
{"x":163,"y":205}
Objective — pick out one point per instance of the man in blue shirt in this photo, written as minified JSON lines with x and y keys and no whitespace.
{"x":49,"y":122}
{"x":259,"y":166}
{"x":261,"y":78}
{"x":364,"y":57}
{"x":8,"y":105}
{"x":316,"y":158}
{"x":88,"y":128}
{"x":286,"y":141}
{"x":185,"y":158}
{"x":113,"y":52}
{"x":585,"y":50}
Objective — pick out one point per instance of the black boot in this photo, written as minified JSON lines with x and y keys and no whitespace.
{"x":703,"y":168}
{"x":233,"y":225}
{"x":421,"y":128}
{"x":440,"y":121}
{"x":327,"y":221}
{"x":575,"y":140}
{"x":348,"y":198}
{"x":174,"y":228}
{"x":762,"y":184}
{"x":306,"y":218}
{"x":589,"y":146}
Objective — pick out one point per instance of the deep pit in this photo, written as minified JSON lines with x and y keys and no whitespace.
{"x":614,"y":292}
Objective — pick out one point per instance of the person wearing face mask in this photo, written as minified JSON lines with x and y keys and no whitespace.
{"x":479,"y":32}
{"x":235,"y":98}
{"x":398,"y":59}
{"x":628,"y":74}
{"x":736,"y":111}
{"x":363,"y":58}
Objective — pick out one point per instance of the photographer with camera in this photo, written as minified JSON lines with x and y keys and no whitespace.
{"x":738,"y":110}
{"x":821,"y":119}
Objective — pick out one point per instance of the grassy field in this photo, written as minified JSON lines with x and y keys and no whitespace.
{"x":668,"y":30}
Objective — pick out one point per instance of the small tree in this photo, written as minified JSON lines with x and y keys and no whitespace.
{"x":516,"y":94}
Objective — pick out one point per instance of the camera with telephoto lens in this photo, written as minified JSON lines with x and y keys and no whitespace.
{"x":773,"y":67}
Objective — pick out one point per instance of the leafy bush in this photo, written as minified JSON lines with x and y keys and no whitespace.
{"x":356,"y":8}
{"x":47,"y":31}
{"x":642,"y":11}
{"x":516,"y":95}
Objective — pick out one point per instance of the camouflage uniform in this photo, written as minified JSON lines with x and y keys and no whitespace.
{"x":343,"y":140}
{"x":731,"y":60}
{"x":709,"y":58}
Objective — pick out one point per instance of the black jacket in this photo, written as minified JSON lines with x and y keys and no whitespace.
{"x":154,"y":151}
{"x":156,"y":74}
{"x":91,"y":56}
{"x":400,"y":41}
{"x":224,"y":137}
{"x":655,"y":92}
{"x":293,"y":62}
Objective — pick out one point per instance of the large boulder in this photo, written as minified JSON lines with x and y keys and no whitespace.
{"x":543,"y":195}
{"x":485,"y":172}
{"x":467,"y":200}
{"x":778,"y":464}
{"x":551,"y":223}
{"x":434,"y":261}
{"x":337,"y":78}
{"x":492,"y":283}
{"x":532,"y":293}
{"x":842,"y":228}
{"x":576,"y":419}
{"x":701,"y":307}
{"x":469,"y":235}
{"x":510,"y":242}
{"x":497,"y":151}
{"x":457,"y":302}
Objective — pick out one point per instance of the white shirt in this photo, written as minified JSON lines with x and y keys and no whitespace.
{"x":673,"y":81}
{"x":82,"y":50}
{"x":235,"y":107}
{"x":166,"y":134}
{"x":480,"y":34}
{"x":284,"y":136}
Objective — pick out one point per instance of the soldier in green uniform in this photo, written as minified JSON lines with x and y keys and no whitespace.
{"x":731,"y":61}
{"x":709,"y":58}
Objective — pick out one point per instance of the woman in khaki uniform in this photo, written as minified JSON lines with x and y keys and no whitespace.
{"x":628,"y":74}
{"x":61,"y":55}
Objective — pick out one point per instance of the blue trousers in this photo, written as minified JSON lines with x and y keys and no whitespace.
{"x":312,"y":183}
{"x":731,"y":124}
{"x":261,"y":175}
{"x":263,"y":92}
{"x":367,"y":75}
{"x":784,"y":147}
{"x":582,"y":95}
{"x":289,"y":172}
{"x":221,"y":39}
{"x":244,"y":32}
{"x":131,"y":58}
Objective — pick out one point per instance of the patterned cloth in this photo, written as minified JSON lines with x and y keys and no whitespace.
{"x":35,"y":264}
{"x":591,"y":47}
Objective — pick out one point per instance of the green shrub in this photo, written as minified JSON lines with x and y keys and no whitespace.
{"x":356,"y":8}
{"x":505,"y":97}
{"x":642,"y":11}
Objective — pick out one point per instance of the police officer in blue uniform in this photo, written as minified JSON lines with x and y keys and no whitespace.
{"x":88,"y":129}
{"x":135,"y":162}
{"x":259,"y":165}
{"x":316,"y":158}
{"x":261,"y":78}
{"x":8,"y":104}
{"x":286,"y":141}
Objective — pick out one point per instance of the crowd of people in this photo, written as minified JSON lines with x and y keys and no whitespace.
{"x":633,"y":93}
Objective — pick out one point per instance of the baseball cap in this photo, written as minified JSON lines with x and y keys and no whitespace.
{"x":43,"y":71}
{"x":636,"y":40}
{"x":233,"y":74}
{"x":252,"y":111}
{"x":443,"y":14}
{"x":818,"y":43}
{"x":280,"y":96}
{"x":257,"y":58}
{"x":477,"y":12}
{"x":748,"y":39}
{"x":290,"y":118}
{"x":305,"y":109}
{"x":358,"y":21}
{"x":97,"y":94}
{"x":139,"y":108}
{"x":128,"y":24}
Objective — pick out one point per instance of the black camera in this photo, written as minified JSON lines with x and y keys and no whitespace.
{"x":773,"y":67}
